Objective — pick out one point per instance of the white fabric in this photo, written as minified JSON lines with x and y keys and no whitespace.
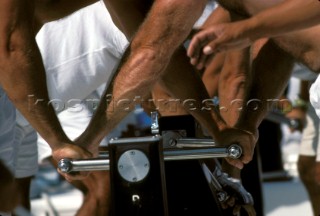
{"x":7,"y":130}
{"x":310,"y":140}
{"x":310,"y":136}
{"x":78,"y":64}
{"x":80,"y":52}
{"x":314,"y":96}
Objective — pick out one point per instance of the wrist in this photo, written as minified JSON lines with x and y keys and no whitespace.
{"x":253,"y":28}
{"x":58,"y":143}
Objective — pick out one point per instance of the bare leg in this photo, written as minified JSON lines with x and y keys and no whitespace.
{"x":307,"y":169}
{"x":23,"y":185}
{"x":96,"y":200}
{"x":8,"y":198}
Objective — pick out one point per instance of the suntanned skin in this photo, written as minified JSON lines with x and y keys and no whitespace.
{"x":153,"y":49}
{"x":146,"y":61}
{"x":235,"y":76}
{"x":49,"y":10}
{"x":301,"y":45}
{"x":96,"y":201}
{"x":22,"y":75}
{"x":186,"y":80}
{"x":147,"y":58}
{"x":45,"y":11}
{"x":157,"y":70}
{"x":149,"y":55}
{"x":225,"y":76}
{"x":270,"y":19}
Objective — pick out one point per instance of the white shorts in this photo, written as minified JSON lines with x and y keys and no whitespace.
{"x":26,"y":162}
{"x":7,"y":130}
{"x":310,"y":135}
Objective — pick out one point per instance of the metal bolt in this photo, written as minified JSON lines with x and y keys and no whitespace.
{"x":234,"y":151}
{"x":65,"y":165}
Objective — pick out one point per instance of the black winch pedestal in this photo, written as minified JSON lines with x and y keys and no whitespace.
{"x":137,"y":177}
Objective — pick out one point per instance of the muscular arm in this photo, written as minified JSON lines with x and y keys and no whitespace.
{"x":154,"y":54}
{"x":146,"y":60}
{"x":266,"y":21}
{"x":271,"y":69}
{"x":22,"y":73}
{"x":287,"y":16}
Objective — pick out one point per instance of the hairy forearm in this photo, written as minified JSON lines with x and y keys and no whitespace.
{"x":271,"y":70}
{"x":234,"y":83}
{"x":195,"y":99}
{"x":22,"y":74}
{"x":287,"y":16}
{"x":152,"y":56}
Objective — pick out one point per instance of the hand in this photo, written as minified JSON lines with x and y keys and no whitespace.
{"x":299,"y":115}
{"x":217,"y":38}
{"x":246,"y":139}
{"x":72,"y":151}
